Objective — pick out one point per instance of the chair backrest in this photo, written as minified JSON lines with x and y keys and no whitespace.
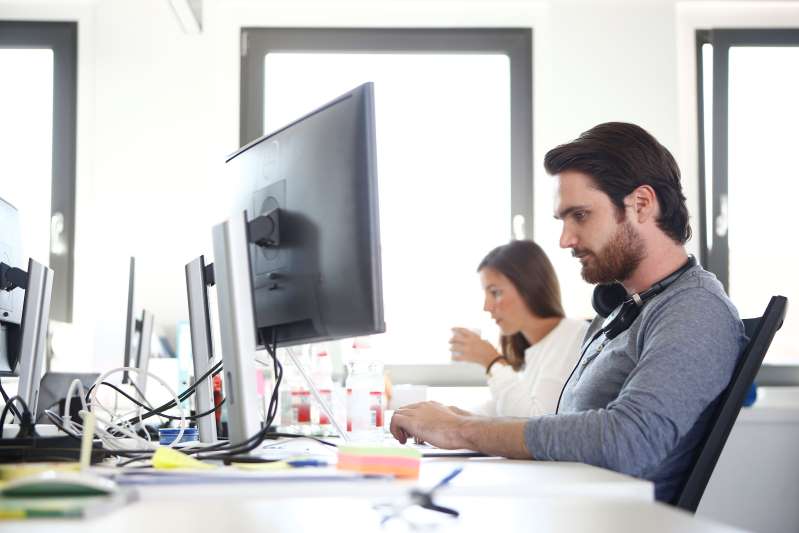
{"x":760,"y":332}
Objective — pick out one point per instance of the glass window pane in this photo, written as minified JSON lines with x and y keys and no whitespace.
{"x":707,"y":121}
{"x":443,"y":146}
{"x":26,"y":136}
{"x":763,"y":185}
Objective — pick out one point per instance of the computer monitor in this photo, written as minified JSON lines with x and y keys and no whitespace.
{"x":300,"y":260}
{"x":129,"y":356}
{"x":144,"y":351}
{"x":11,"y":301}
{"x":138,"y":336}
{"x":199,"y":277}
{"x":24,"y":342}
{"x":320,"y":277}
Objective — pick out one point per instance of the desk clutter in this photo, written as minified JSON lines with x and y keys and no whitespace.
{"x":72,"y":490}
{"x":57,"y":490}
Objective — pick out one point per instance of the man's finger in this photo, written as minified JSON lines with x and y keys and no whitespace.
{"x":396,"y":429}
{"x":409,"y":407}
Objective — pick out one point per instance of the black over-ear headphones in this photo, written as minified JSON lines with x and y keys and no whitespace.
{"x":620,"y":309}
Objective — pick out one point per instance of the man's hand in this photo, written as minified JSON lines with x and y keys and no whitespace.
{"x":451,"y":428}
{"x":429,"y":422}
{"x":466,"y":345}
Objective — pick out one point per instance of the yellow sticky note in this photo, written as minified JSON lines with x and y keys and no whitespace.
{"x":168,"y":458}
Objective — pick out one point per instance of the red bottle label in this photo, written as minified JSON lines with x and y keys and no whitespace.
{"x":376,"y":406}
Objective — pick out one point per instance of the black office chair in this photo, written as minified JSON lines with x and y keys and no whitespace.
{"x":760,"y":332}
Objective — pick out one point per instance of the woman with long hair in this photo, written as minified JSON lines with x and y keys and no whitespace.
{"x":539,"y":346}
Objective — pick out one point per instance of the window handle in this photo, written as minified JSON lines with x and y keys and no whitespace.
{"x":722,"y":218}
{"x":518,"y":227}
{"x":58,"y":242}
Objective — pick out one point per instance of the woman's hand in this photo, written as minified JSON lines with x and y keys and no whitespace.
{"x":467,"y":345}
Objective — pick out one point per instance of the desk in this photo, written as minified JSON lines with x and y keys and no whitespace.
{"x":492,"y":494}
{"x":481,"y":515}
{"x":490,"y":476}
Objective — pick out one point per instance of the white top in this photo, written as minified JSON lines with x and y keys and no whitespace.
{"x":534,"y":390}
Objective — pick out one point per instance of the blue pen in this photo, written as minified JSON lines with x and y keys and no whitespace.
{"x":298,"y":463}
{"x":449,"y":477}
{"x":425,"y":499}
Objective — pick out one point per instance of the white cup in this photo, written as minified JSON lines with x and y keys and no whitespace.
{"x":402,"y":395}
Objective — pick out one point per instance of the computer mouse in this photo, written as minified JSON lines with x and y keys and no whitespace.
{"x":58,"y":483}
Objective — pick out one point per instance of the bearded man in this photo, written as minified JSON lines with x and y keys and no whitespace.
{"x":663,"y":345}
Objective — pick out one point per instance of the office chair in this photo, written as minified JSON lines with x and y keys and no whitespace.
{"x":760,"y":332}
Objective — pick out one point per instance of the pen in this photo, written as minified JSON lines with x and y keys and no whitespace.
{"x":424,"y":499}
{"x":298,"y":463}
{"x":279,"y":465}
{"x":449,"y":477}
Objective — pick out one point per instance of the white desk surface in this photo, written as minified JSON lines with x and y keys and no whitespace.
{"x":257,"y":514}
{"x":481,"y":477}
{"x":490,"y":493}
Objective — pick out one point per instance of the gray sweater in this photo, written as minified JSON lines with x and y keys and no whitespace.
{"x":641,"y":403}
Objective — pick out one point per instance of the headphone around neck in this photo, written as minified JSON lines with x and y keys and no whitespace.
{"x":620,"y":309}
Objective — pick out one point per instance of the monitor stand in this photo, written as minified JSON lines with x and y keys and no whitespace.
{"x":237,"y":330}
{"x":198,"y":279}
{"x":236,"y":326}
{"x":145,"y":351}
{"x":33,"y":329}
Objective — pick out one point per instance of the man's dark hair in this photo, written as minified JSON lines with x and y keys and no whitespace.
{"x":621,"y":157}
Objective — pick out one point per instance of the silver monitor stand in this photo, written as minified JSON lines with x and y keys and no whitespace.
{"x":236,"y":326}
{"x":201,"y":345}
{"x":33,"y":344}
{"x":143,"y":358}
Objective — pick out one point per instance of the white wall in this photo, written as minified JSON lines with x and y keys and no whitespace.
{"x":158,"y":111}
{"x":604,"y":61}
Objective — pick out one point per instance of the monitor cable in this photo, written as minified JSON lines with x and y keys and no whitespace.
{"x":26,"y":426}
{"x":227,"y":449}
{"x":213,"y":371}
{"x":7,"y":402}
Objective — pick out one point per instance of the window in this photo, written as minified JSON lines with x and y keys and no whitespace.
{"x":38,"y":65}
{"x":454,"y":146}
{"x":748,"y":82}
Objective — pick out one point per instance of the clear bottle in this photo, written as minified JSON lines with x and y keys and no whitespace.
{"x":295,"y":401}
{"x":322,"y":376}
{"x":264,"y":385}
{"x":365,"y":387}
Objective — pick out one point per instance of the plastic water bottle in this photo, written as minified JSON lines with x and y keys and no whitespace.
{"x":295,"y":402}
{"x":264,"y":385}
{"x":365,"y":387}
{"x":322,"y":376}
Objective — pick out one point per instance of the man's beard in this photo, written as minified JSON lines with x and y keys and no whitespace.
{"x":617,"y":260}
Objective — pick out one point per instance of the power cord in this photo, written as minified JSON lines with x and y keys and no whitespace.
{"x":213,"y":371}
{"x":5,"y":398}
{"x":109,"y":424}
{"x":153,"y":413}
{"x":26,"y":427}
{"x":227,"y":450}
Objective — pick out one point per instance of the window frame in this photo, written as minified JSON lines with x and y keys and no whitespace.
{"x":716,"y":257}
{"x":516,"y":43}
{"x":62,"y":39}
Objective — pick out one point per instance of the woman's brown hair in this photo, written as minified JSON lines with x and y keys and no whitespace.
{"x":527,"y":267}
